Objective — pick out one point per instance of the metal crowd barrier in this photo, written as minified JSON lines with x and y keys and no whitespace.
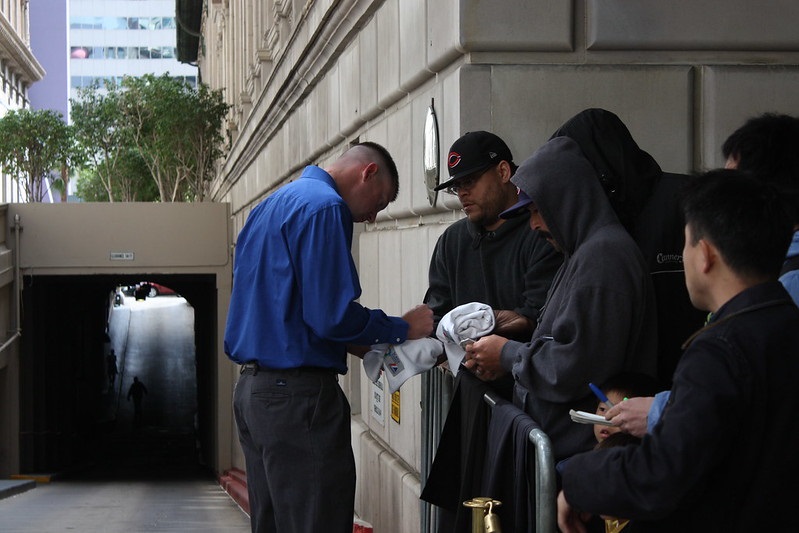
{"x":437,"y":390}
{"x":546,"y":517}
{"x":546,"y":510}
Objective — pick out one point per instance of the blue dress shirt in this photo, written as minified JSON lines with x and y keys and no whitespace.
{"x":295,"y":283}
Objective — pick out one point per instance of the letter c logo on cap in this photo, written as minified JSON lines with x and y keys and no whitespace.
{"x":454,"y":159}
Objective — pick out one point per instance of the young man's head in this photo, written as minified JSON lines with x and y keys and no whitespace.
{"x":736,"y":235}
{"x":619,"y":387}
{"x":367,"y":180}
{"x":480,"y":166}
{"x":767,"y":146}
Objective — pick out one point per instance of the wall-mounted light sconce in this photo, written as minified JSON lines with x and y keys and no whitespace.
{"x":431,"y":153}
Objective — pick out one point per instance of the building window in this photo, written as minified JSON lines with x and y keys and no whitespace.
{"x":121,"y":52}
{"x":122,"y":23}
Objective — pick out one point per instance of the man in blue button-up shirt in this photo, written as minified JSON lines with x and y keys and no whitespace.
{"x":293,"y":314}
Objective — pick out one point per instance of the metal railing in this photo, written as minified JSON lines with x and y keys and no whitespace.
{"x":546,"y":517}
{"x":437,"y":387}
{"x":546,"y":512}
{"x":437,"y":390}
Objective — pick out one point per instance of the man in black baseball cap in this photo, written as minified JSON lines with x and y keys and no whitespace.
{"x":470,"y":155}
{"x":484,"y":258}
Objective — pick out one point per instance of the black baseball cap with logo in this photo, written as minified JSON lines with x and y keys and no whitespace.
{"x":473,"y":152}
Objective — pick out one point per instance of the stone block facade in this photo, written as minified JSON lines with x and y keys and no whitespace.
{"x":308,"y":77}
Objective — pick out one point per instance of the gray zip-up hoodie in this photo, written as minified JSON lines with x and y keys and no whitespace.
{"x":599,"y":318}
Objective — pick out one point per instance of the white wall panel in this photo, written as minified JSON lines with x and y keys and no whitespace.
{"x":413,"y":43}
{"x":655,"y":102}
{"x":516,"y":25}
{"x":349,"y":89}
{"x":731,"y":95}
{"x":388,"y":53}
{"x":368,"y":73}
{"x":692,"y":25}
{"x":398,"y":143}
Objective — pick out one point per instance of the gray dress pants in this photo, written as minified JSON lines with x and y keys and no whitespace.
{"x":294,"y":429}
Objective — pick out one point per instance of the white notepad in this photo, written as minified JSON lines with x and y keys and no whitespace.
{"x":581,"y":417}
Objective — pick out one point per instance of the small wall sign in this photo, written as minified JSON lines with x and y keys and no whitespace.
{"x":122,"y":256}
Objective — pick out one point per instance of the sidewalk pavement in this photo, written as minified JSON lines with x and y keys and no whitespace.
{"x":11,"y":487}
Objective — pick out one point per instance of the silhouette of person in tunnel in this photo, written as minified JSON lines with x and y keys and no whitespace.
{"x":111,"y":367}
{"x":137,"y":390}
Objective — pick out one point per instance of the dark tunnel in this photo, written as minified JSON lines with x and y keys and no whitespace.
{"x":75,"y":417}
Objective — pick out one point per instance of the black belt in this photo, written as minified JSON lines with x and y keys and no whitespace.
{"x":254,"y":367}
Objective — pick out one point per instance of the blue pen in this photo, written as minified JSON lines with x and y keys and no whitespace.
{"x":599,"y":394}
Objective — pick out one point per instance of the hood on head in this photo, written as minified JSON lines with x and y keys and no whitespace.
{"x":564,"y":188}
{"x":627,"y":174}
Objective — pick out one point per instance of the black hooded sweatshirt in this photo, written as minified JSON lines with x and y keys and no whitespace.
{"x":599,"y":318}
{"x":646,"y":200}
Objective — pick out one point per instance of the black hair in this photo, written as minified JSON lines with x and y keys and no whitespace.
{"x":391,"y":167}
{"x":632,"y":384}
{"x":743,"y":217}
{"x":768,"y":147}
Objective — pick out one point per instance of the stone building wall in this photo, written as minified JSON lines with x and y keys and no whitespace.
{"x":18,"y":70}
{"x":307,"y":77}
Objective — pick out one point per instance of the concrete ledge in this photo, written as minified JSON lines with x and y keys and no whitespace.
{"x":11,"y":487}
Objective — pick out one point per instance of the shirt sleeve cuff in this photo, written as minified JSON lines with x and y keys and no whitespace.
{"x":390,"y":330}
{"x":509,"y":355}
{"x":656,"y":409}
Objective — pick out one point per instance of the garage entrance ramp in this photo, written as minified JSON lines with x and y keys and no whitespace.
{"x":70,"y":259}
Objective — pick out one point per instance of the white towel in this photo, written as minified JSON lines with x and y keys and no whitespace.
{"x":400,"y":362}
{"x":467,"y":322}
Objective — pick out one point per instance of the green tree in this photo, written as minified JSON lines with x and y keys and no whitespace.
{"x":33,"y":143}
{"x":99,"y":128}
{"x":177,"y":131}
{"x":132,"y":182}
{"x":204,"y":143}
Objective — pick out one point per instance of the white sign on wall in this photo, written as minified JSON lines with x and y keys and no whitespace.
{"x":378,"y":401}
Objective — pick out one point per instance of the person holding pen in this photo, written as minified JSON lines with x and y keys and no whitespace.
{"x":697,"y":470}
{"x":620,"y":388}
{"x":764,"y":146}
{"x":599,"y":318}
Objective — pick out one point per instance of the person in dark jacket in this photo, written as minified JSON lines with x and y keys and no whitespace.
{"x":501,"y":263}
{"x":599,"y":318}
{"x":137,"y":391}
{"x":699,"y":470}
{"x":765,"y":147}
{"x":484,"y":258}
{"x":646,"y":201}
